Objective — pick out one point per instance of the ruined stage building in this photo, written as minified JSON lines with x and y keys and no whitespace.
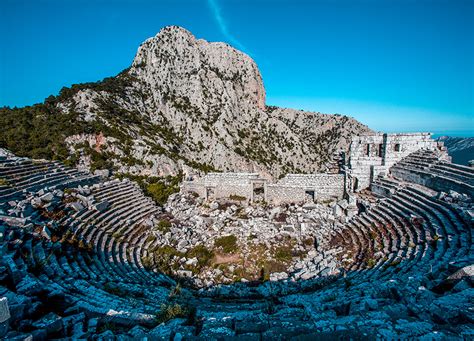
{"x":369,"y":156}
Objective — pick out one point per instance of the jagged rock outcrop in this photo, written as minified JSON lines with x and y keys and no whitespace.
{"x":186,"y":104}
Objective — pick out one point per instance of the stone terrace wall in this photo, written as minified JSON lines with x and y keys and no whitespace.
{"x":225,"y":191}
{"x":278,"y":194}
{"x":370,"y":155}
{"x":194,"y":186}
{"x":223,"y":185}
{"x":293,"y":187}
{"x":213,"y":179}
{"x":330,"y":181}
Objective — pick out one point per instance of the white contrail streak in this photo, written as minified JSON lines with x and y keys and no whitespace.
{"x":216,"y":11}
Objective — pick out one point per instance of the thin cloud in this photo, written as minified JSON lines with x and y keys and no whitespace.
{"x":216,"y":11}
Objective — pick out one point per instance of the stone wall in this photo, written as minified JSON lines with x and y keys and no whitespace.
{"x":224,"y":185}
{"x":278,"y":194}
{"x":371,"y":155}
{"x":300,"y":187}
{"x":292,"y":188}
{"x":225,"y":191}
{"x":194,"y":186}
{"x":212,"y":179}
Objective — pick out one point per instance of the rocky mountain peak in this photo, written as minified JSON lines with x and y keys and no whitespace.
{"x":212,"y":76}
{"x":185,"y":105}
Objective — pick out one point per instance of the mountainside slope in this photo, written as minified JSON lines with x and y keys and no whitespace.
{"x":461,"y":149}
{"x":184,"y":105}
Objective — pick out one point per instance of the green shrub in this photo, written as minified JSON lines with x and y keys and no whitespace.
{"x":171,"y":311}
{"x":283,"y":254}
{"x":237,"y":197}
{"x":150,"y":238}
{"x":370,"y":263}
{"x":118,"y":234}
{"x":164,"y":226}
{"x":203,"y":255}
{"x":147,"y":262}
{"x":159,"y":190}
{"x":227,"y":243}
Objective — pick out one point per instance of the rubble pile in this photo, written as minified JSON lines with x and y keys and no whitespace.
{"x":292,"y":237}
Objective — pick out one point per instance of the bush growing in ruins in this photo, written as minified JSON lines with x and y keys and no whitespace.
{"x":237,"y":197}
{"x":164,"y":226}
{"x":163,"y":257}
{"x":171,"y":311}
{"x":203,"y":255}
{"x":160,"y":192}
{"x":370,"y":263}
{"x":158,"y":188}
{"x":227,"y":243}
{"x":270,"y":267}
{"x":283,"y":254}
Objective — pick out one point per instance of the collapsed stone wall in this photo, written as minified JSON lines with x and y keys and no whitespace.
{"x":371,"y":155}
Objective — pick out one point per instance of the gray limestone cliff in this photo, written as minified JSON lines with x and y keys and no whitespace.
{"x":186,"y":104}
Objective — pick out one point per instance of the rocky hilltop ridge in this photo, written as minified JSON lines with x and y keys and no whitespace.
{"x":208,"y":74}
{"x":185,"y":105}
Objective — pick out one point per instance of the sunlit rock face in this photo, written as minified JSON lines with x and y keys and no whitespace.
{"x":215,"y":77}
{"x":186,"y":105}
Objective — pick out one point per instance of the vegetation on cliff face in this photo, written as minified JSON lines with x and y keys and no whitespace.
{"x":160,"y":116}
{"x":39,"y":131}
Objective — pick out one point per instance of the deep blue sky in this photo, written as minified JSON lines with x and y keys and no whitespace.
{"x":395,"y":65}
